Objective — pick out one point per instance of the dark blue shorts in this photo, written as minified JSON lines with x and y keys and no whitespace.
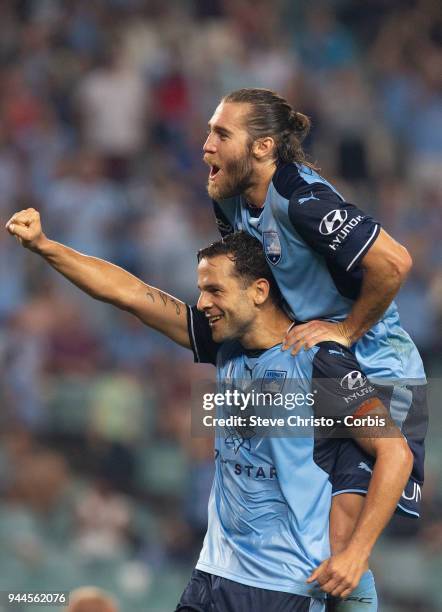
{"x":352,"y":474}
{"x":353,"y":468}
{"x":208,"y":593}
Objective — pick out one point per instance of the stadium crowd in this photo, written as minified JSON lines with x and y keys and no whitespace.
{"x":104,"y":108}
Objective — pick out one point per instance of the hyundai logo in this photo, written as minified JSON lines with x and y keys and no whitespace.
{"x":353,"y":380}
{"x":333,"y":221}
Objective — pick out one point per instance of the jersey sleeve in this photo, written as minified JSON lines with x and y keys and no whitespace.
{"x":203,"y":347}
{"x":339,"y":386}
{"x":337,"y":230}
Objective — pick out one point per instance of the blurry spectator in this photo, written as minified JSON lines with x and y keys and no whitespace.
{"x":407,"y":56}
{"x":11,"y":173}
{"x":41,"y":480}
{"x":17,"y":443}
{"x":134,"y":345}
{"x":170,"y":244}
{"x":91,"y":599}
{"x":263,"y":65}
{"x":85,"y":33}
{"x":73,"y":347}
{"x":116,"y":411}
{"x":170,"y":100}
{"x":44,"y":145}
{"x":103,"y":518}
{"x":36,"y":55}
{"x":12,"y":276}
{"x":83,"y":207}
{"x":21,"y":108}
{"x":112,"y":102}
{"x":23,"y":353}
{"x":351,"y":117}
{"x":322,"y":42}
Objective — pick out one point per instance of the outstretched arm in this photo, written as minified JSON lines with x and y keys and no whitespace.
{"x":103,"y":280}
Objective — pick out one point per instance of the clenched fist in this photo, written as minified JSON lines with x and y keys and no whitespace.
{"x":26,"y":227}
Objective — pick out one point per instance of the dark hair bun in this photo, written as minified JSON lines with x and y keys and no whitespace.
{"x":300,"y":124}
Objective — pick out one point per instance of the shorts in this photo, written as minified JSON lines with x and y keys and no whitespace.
{"x":209,"y":593}
{"x":352,"y":474}
{"x":353,"y":467}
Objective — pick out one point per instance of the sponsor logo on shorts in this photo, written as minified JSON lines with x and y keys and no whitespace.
{"x":363,"y":466}
{"x":416,"y":493}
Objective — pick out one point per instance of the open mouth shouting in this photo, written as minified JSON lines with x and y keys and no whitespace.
{"x":214,"y":171}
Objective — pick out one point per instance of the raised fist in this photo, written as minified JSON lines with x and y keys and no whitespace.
{"x":26,"y":227}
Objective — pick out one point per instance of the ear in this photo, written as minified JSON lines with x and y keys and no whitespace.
{"x":263,"y":147}
{"x":261,"y":291}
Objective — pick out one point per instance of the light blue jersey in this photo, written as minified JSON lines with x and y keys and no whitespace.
{"x":269,"y":506}
{"x":314,"y":242}
{"x":270,"y":502}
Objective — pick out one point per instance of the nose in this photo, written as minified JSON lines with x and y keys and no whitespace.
{"x":210,"y":144}
{"x":204,"y":301}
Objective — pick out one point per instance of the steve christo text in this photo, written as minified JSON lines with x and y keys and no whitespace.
{"x":292,"y":420}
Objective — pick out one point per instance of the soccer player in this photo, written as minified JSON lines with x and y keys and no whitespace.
{"x":336,"y":268}
{"x":267,"y":540}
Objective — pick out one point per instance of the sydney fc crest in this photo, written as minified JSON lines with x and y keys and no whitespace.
{"x":272,"y":247}
{"x":273,"y":381}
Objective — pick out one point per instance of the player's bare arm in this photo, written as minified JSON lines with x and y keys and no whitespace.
{"x":103,"y":280}
{"x":385,"y":267}
{"x":341,"y":573}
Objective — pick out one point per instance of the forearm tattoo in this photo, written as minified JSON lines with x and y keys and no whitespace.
{"x":165,"y":298}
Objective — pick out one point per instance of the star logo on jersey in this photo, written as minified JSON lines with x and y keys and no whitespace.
{"x":272,"y":247}
{"x":353,"y":380}
{"x":236,"y":440}
{"x":333,"y":221}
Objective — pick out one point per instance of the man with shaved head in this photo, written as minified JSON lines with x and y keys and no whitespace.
{"x":91,"y":599}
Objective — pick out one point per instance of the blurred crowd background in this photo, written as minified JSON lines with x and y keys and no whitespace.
{"x":103,"y":111}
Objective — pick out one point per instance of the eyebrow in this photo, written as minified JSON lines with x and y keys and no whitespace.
{"x":220,"y":130}
{"x":211,"y":287}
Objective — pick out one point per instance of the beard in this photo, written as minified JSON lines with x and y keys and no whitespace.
{"x":237,"y":177}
